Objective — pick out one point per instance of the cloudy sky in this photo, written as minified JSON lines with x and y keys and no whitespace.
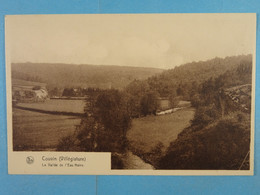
{"x":146,"y":40}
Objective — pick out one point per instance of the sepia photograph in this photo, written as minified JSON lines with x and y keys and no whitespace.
{"x":158,"y":92}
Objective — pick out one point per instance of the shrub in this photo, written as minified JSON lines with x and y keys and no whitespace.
{"x":221,"y":145}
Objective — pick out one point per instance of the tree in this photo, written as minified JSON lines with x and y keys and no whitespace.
{"x":104,"y":126}
{"x":133,"y":106}
{"x":36,"y":87}
{"x":173,"y":99}
{"x":137,"y":88}
{"x":68,"y":92}
{"x":111,"y":113}
{"x":55,"y":92}
{"x":149,"y":103}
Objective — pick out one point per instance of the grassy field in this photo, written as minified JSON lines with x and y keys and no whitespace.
{"x":36,"y":131}
{"x":147,"y":132}
{"x":75,"y":106}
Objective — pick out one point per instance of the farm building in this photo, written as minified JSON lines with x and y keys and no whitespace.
{"x":28,"y":91}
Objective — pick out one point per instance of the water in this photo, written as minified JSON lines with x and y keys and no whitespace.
{"x":132,"y":161}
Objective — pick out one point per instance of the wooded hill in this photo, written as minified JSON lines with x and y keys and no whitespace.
{"x":219,"y":135}
{"x":185,"y":79}
{"x":68,"y":75}
{"x":177,"y":81}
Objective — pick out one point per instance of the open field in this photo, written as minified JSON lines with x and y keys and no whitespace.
{"x":59,"y":105}
{"x":37,"y":131}
{"x":147,"y":132}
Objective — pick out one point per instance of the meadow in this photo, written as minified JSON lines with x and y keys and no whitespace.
{"x":147,"y":132}
{"x":33,"y":131}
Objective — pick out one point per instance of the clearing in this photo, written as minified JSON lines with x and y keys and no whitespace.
{"x":148,"y":131}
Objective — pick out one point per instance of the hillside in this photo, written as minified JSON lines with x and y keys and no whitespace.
{"x":221,"y":145}
{"x":24,"y":83}
{"x":184,"y":79}
{"x":166,"y":82}
{"x":219,"y":135}
{"x":68,"y":75}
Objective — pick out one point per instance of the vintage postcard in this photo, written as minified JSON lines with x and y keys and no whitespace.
{"x":131,"y":94}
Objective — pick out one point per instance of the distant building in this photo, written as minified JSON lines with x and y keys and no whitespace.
{"x":28,"y":91}
{"x":41,"y":94}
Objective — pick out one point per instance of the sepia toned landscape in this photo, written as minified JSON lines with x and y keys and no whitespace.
{"x":189,"y":110}
{"x":173,"y":119}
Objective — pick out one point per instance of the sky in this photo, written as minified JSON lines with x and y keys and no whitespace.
{"x":142,"y":40}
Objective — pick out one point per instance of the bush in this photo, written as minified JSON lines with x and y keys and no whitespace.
{"x":116,"y":162}
{"x":205,"y":115}
{"x":222,"y":146}
{"x":67,"y":143}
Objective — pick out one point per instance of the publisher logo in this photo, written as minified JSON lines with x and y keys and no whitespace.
{"x":29,"y":160}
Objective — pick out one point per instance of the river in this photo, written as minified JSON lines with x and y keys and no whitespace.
{"x":132,"y":161}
